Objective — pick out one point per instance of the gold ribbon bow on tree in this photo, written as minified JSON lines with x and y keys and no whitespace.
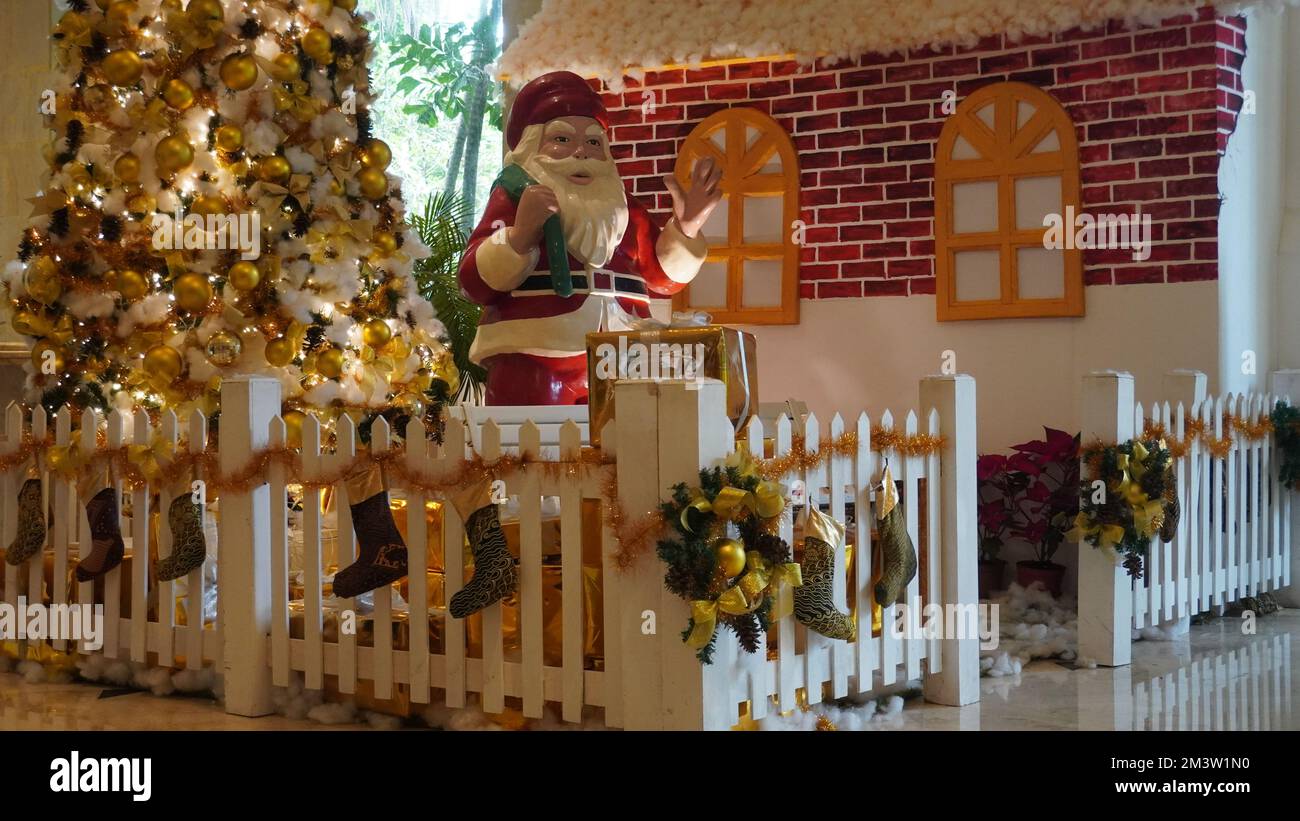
{"x":152,"y":460}
{"x":296,"y":100}
{"x":760,"y":580}
{"x":273,"y":195}
{"x":1148,"y":513}
{"x":68,"y":460}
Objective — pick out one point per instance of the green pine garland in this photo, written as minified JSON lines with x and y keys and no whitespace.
{"x":1286,"y":433}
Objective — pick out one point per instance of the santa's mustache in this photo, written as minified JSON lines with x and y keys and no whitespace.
{"x":569,"y":166}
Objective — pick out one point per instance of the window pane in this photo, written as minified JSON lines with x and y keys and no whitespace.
{"x":963,"y":150}
{"x":1036,"y":196}
{"x":719,"y":139}
{"x":761,"y":286}
{"x":762,"y":219}
{"x":709,"y":288}
{"x":986,"y":115}
{"x":974,"y":207}
{"x":715,"y":227}
{"x":978,"y":274}
{"x":1040,"y":273}
{"x":773,"y":164}
{"x":1024,"y":112}
{"x":1048,"y":144}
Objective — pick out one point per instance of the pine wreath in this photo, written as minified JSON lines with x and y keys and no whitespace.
{"x":1138,"y":477}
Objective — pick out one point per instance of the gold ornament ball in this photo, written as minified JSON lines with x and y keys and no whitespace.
{"x":131,"y":284}
{"x":39,"y":358}
{"x":127,"y":168}
{"x":274,"y":169}
{"x":178,"y":94}
{"x":318,"y":45}
{"x":293,"y":427}
{"x":42,"y":281}
{"x":329,"y":363}
{"x":410,"y":403}
{"x":122,"y":68}
{"x":384,"y":241}
{"x":376,"y":154}
{"x":230,"y":138}
{"x":223,"y":349}
{"x":285,"y":67}
{"x":244,"y":275}
{"x":103,"y":4}
{"x":239,"y":72}
{"x":120,"y":12}
{"x":730,"y":555}
{"x":163,"y":362}
{"x":376,"y":333}
{"x":206,"y":204}
{"x":173,"y":153}
{"x":192,"y":291}
{"x":279,"y":352}
{"x":373,"y":182}
{"x":201,"y":11}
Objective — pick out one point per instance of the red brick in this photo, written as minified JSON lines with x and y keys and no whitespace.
{"x":1109,"y":173}
{"x":1041,"y":77}
{"x":929,"y":92}
{"x":769,"y":88}
{"x":891,"y":134}
{"x":842,"y":176}
{"x":953,"y":68}
{"x":782,"y":68}
{"x":747,"y":71}
{"x":861,"y":77}
{"x":839,"y":288}
{"x":921,"y":248}
{"x":1083,"y":71}
{"x":925,"y":131}
{"x":839,"y":139}
{"x":884,"y":250}
{"x":1195,"y":272}
{"x":1169,"y":167}
{"x":620,"y":151}
{"x":807,"y":290}
{"x":1205,"y":164}
{"x":685,"y":94}
{"x":1207,"y":207}
{"x":819,"y":159}
{"x":1097,"y":276}
{"x":632,"y":133}
{"x":1095,"y":193}
{"x":885,"y":173}
{"x":666,"y":113}
{"x":907,"y":73}
{"x":792,"y":105}
{"x":1108,"y":47}
{"x":1207,"y":250}
{"x":624,"y":116}
{"x":1163,"y":125}
{"x":815,"y":272}
{"x":1055,"y":55}
{"x":813,"y":83}
{"x":884,"y":211}
{"x":910,"y":228}
{"x":1012,"y":61}
{"x":862,"y":193}
{"x":861,"y":233}
{"x":907,"y":190}
{"x":1140,"y":191}
{"x":707,"y":74}
{"x":875,"y":115}
{"x":728,"y":91}
{"x":1171,"y":252}
{"x":1137,"y":64}
{"x":1191,"y":144}
{"x":1089,"y":112}
{"x":1193,"y":186}
{"x":921,"y":171}
{"x":1136,"y":107}
{"x":1139,"y":274}
{"x":1194,"y":56}
{"x":841,"y":214}
{"x":909,"y":152}
{"x":820,"y":122}
{"x":667,"y":78}
{"x":1113,"y":130}
{"x":814,"y":236}
{"x":863,"y":268}
{"x":837,"y":253}
{"x":886,"y":94}
{"x":1096,"y":153}
{"x":650,"y":185}
{"x":837,"y":99}
{"x":1110,"y":90}
{"x":673,"y":130}
{"x":1194,"y":229}
{"x":863,"y":156}
{"x":1190,"y":100}
{"x":884,"y":287}
{"x":921,"y":285}
{"x":1160,"y":39}
{"x":810,"y":198}
{"x":1162,"y":82}
{"x":919,"y":209}
{"x":807,"y":179}
{"x":907,"y":113}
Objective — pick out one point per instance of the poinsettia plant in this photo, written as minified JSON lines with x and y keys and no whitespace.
{"x":1030,"y":495}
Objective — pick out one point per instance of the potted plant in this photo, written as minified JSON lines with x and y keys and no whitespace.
{"x":994,"y":518}
{"x":1044,"y":503}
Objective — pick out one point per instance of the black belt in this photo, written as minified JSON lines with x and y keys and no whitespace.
{"x":621,"y":283}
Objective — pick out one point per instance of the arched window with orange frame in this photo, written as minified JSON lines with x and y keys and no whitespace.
{"x":751,"y":274}
{"x":1007,"y":158}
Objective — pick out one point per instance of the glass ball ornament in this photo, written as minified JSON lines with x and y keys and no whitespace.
{"x":223,"y":349}
{"x":229,"y":137}
{"x":329,"y":363}
{"x":244,"y":275}
{"x":239,"y":72}
{"x":205,"y":11}
{"x":318,"y":45}
{"x":373,"y":183}
{"x":130,"y":283}
{"x":192,"y":290}
{"x":409,"y":403}
{"x":127,"y":168}
{"x":42,"y":280}
{"x":385,"y":243}
{"x":285,"y":67}
{"x":376,"y":333}
{"x":274,"y":169}
{"x":279,"y":352}
{"x":730,"y":557}
{"x":375,"y":154}
{"x":206,"y":204}
{"x":293,"y":421}
{"x":122,"y":68}
{"x":173,"y":153}
{"x":164,"y":363}
{"x":178,"y":94}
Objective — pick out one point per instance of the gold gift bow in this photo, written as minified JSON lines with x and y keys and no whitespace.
{"x":766,"y":501}
{"x":298,"y":101}
{"x":744,"y":596}
{"x":152,"y":459}
{"x":1106,"y":536}
{"x":68,"y":460}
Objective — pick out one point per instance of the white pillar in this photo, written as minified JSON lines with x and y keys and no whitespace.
{"x":1105,"y":592}
{"x":244,"y":557}
{"x":954,"y":398}
{"x":1286,"y":385}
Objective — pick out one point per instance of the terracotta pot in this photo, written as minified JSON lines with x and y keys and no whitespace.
{"x":1049,"y":574}
{"x":991,"y":574}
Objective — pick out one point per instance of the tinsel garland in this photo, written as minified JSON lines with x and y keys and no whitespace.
{"x":1198,"y":429}
{"x":882,"y":440}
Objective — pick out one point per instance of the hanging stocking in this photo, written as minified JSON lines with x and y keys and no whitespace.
{"x":189,"y":548}
{"x":31,"y":524}
{"x":898,"y":565}
{"x":382,"y":553}
{"x":814,"y":606}
{"x":106,"y":546}
{"x":1173,"y":510}
{"x":495,"y":576}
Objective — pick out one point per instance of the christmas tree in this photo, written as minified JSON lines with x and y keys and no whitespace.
{"x":216,"y":205}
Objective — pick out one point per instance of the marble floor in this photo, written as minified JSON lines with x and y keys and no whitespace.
{"x":1213,"y":679}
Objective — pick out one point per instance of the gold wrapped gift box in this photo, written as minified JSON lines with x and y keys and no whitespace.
{"x":729,"y":355}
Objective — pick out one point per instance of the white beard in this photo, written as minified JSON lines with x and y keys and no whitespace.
{"x":594,"y":215}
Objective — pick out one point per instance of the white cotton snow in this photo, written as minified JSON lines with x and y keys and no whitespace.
{"x":1032,"y":624}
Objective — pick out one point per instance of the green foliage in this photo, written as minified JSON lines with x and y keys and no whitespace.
{"x":1286,"y":428}
{"x":442,"y":66}
{"x":435,"y":276}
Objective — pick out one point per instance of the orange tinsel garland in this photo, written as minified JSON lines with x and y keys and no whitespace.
{"x":1219,"y":447}
{"x":882,"y":440}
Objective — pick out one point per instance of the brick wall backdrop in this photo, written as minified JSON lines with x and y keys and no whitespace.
{"x":1153,"y":108}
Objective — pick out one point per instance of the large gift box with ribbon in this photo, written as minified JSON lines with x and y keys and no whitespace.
{"x":688,"y":348}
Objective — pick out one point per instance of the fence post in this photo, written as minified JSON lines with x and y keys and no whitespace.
{"x":1286,"y":385}
{"x":954,"y":398}
{"x":665,"y":432}
{"x":244,"y":558}
{"x":1186,"y":386}
{"x":1105,"y":593}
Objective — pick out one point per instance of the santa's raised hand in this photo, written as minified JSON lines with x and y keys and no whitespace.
{"x":692,"y":208}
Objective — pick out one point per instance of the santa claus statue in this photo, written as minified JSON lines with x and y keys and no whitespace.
{"x":562,"y":250}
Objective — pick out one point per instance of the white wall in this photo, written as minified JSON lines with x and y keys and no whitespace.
{"x":1250,"y":221}
{"x":1286,"y":308}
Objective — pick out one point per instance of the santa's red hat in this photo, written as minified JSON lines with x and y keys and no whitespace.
{"x":550,"y":96}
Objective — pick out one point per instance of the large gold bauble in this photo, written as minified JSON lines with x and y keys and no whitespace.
{"x":173,"y":153}
{"x":122,"y":68}
{"x":26,"y":323}
{"x":40,"y":357}
{"x":410,"y":403}
{"x":131,"y":284}
{"x":164,"y":362}
{"x":120,"y":12}
{"x":329,"y":363}
{"x":376,"y":333}
{"x":206,"y":204}
{"x":373,"y":182}
{"x":274,"y":169}
{"x":42,"y":281}
{"x":192,"y":290}
{"x":279,"y":352}
{"x":318,"y":45}
{"x":178,"y":94}
{"x":285,"y":67}
{"x":141,"y":203}
{"x":223,"y":349}
{"x":384,"y":241}
{"x":730,"y":557}
{"x":375,"y":154}
{"x":230,"y":137}
{"x":201,"y":11}
{"x":127,"y":168}
{"x":293,"y":427}
{"x":239,"y":71}
{"x":244,"y":275}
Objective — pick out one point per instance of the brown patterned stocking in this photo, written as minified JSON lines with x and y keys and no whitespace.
{"x":381,"y":556}
{"x":106,"y":547}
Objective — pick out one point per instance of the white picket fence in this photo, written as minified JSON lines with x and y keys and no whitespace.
{"x":665,"y":432}
{"x":1234,"y":537}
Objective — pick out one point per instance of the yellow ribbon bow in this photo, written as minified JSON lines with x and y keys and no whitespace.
{"x":766,"y":501}
{"x":744,"y":596}
{"x":298,"y":101}
{"x":152,"y":459}
{"x":1103,"y":536}
{"x":68,"y":460}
